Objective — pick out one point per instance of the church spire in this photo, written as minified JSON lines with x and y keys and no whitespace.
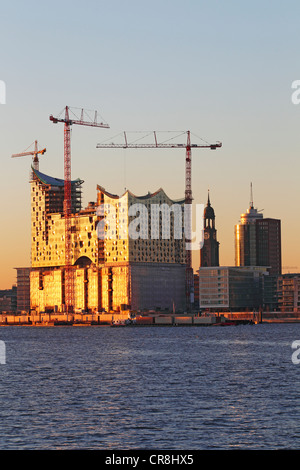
{"x":209,"y":252}
{"x":208,"y":199}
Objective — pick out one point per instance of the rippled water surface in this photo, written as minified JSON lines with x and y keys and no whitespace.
{"x":150,"y":388}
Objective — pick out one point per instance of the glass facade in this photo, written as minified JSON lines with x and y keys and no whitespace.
{"x":258,"y":241}
{"x":111,"y":268}
{"x":231,"y":288}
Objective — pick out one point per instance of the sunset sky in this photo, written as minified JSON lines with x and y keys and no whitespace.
{"x":223,"y":70}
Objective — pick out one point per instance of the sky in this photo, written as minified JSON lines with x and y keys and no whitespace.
{"x":223,"y":70}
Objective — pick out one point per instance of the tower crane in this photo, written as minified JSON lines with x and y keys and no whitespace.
{"x":83,"y":120}
{"x":35,"y":153}
{"x":188,"y":187}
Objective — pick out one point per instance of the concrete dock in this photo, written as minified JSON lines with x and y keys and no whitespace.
{"x":145,"y":318}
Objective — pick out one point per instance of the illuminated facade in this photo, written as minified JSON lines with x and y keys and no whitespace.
{"x":245,"y":238}
{"x":258,"y":241}
{"x":125,"y":254}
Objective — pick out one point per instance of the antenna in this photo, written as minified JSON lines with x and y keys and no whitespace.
{"x":251,"y":197}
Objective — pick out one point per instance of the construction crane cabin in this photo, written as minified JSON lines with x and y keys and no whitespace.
{"x":188,"y":186}
{"x":83,"y":120}
{"x":35,"y":153}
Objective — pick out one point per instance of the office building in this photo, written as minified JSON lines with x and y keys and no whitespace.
{"x":258,"y":241}
{"x":23,"y":289}
{"x":268,"y":243}
{"x":231,"y":288}
{"x":8,"y":300}
{"x":288,"y":292}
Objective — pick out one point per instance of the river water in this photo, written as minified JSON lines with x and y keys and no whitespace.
{"x":233,"y":387}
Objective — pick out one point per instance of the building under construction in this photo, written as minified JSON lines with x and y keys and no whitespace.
{"x":111,"y":269}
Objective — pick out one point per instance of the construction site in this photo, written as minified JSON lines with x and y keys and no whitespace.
{"x":84,"y":263}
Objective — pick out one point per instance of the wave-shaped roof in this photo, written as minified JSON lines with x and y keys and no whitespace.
{"x":146,"y":196}
{"x":46,"y":179}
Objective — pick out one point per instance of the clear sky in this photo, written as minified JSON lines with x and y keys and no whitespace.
{"x":222,"y":70}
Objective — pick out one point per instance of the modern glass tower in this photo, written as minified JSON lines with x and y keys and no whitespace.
{"x":258,"y":240}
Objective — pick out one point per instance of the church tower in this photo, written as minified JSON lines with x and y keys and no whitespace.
{"x":209,"y":253}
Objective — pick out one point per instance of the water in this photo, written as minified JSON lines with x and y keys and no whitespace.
{"x":150,"y":388}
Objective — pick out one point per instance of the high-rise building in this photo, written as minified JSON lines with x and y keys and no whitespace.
{"x":112,"y":268}
{"x":258,"y":241}
{"x":268,"y":241}
{"x":209,"y":253}
{"x":245,"y":237}
{"x":23,"y":289}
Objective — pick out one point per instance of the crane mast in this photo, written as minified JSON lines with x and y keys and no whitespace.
{"x":189,"y":284}
{"x":188,"y":190}
{"x":68,"y":122}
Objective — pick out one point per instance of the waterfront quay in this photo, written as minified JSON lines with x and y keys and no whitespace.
{"x":128,"y":318}
{"x":125,"y":318}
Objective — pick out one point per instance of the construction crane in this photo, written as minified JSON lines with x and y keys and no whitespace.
{"x":35,"y":153}
{"x":68,"y":122}
{"x":188,"y":187}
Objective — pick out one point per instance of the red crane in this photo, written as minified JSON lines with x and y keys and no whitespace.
{"x":188,"y":187}
{"x":35,"y":153}
{"x":68,"y":122}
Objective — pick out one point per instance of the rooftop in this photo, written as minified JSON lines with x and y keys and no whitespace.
{"x":49,"y":180}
